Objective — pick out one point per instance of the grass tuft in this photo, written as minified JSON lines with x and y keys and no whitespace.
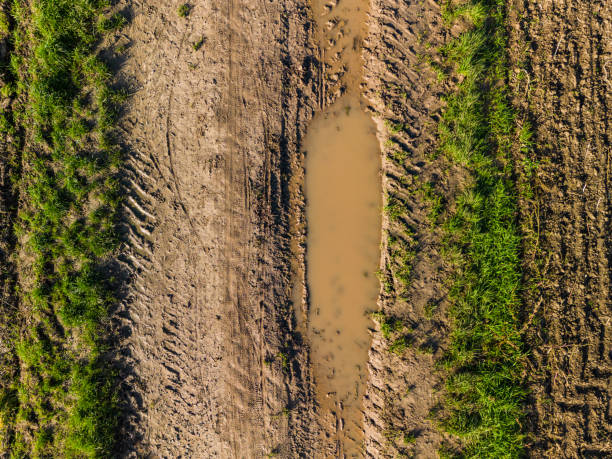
{"x":198,"y":44}
{"x":184,"y":10}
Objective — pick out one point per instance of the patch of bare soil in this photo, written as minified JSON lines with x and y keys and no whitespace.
{"x":562,"y":55}
{"x":214,"y":366}
{"x":405,"y":99}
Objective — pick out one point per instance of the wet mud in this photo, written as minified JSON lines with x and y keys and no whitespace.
{"x":343,"y":214}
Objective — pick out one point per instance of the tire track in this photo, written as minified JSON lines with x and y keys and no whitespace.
{"x":244,"y":397}
{"x":402,"y":89}
{"x":207,"y":303}
{"x":563,"y":51}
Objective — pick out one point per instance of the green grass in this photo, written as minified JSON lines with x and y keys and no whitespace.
{"x":184,"y":10}
{"x":394,"y":207}
{"x":395,"y":332}
{"x":485,"y":360}
{"x":388,"y":325}
{"x":64,"y":403}
{"x":198,"y":44}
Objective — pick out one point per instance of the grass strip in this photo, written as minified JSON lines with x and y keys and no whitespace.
{"x":64,"y":402}
{"x":485,"y":359}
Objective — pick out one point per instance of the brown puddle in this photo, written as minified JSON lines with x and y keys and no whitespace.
{"x":343,"y":192}
{"x":343,"y":212}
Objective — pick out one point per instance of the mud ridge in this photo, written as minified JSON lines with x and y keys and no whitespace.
{"x":405,"y":100}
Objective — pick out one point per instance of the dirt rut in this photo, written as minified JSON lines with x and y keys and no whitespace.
{"x":405,"y":100}
{"x":212,"y":364}
{"x":562,"y":64}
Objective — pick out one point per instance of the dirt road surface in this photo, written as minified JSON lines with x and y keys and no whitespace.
{"x":214,"y":362}
{"x":211,"y":360}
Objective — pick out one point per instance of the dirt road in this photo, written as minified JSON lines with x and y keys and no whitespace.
{"x":219,"y":101}
{"x":214,"y":362}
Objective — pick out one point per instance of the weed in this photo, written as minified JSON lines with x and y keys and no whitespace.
{"x":530,"y":167}
{"x":427,"y":349}
{"x":184,"y":10}
{"x":391,"y":435}
{"x":402,"y":253}
{"x":7,"y":90}
{"x":394,"y":207}
{"x":284,"y":359}
{"x":390,"y":142}
{"x":110,"y":24}
{"x":284,"y":413}
{"x":385,"y":279}
{"x":435,"y":201}
{"x":394,"y":128}
{"x":400,"y":345}
{"x":440,"y":72}
{"x":398,"y":156}
{"x":4,"y":25}
{"x":430,"y":310}
{"x":198,"y":44}
{"x":388,"y":325}
{"x":446,"y":452}
{"x":409,"y":439}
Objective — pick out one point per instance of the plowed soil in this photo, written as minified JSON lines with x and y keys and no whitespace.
{"x":562,"y":57}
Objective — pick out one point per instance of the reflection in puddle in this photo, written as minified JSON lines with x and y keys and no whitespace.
{"x":343,"y":211}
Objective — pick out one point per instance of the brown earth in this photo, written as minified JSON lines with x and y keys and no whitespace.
{"x":562,"y":59}
{"x":402,"y":88}
{"x":214,"y":205}
{"x":213,"y":363}
{"x":212,"y":355}
{"x":212,"y":358}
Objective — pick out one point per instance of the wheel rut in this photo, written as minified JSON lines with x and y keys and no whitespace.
{"x":565,"y":97}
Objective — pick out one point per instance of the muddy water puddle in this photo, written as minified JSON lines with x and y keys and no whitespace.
{"x":343,"y":213}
